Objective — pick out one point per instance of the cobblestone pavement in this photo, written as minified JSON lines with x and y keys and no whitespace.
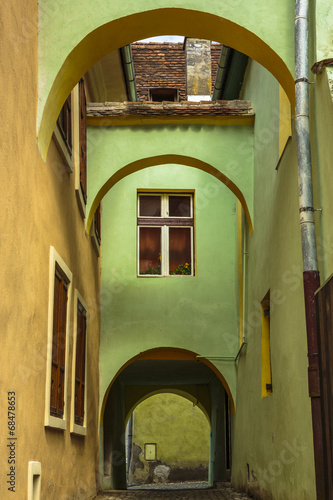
{"x":194,"y":491}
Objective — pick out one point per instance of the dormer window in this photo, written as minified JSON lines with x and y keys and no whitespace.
{"x":163,"y":94}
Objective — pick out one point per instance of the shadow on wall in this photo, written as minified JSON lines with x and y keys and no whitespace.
{"x":168,"y":441}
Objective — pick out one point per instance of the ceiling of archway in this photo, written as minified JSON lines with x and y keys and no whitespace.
{"x":166,"y":372}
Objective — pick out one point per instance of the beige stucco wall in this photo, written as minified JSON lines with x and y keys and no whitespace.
{"x":39,"y":210}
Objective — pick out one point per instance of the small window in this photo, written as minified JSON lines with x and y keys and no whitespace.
{"x":165,"y":234}
{"x":163,"y":94}
{"x":80,"y":363}
{"x":97,"y":224}
{"x":64,"y":123}
{"x":79,"y":368}
{"x":63,"y":134}
{"x":266,"y":369}
{"x":96,"y":230}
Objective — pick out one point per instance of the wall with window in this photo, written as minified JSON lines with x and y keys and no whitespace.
{"x":40,"y":211}
{"x":278,"y":448}
{"x":194,"y":310}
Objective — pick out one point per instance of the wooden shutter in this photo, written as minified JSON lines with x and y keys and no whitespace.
{"x":58,"y":343}
{"x":80,"y":365}
{"x":97,"y":223}
{"x":65,"y":122}
{"x":83,"y":140}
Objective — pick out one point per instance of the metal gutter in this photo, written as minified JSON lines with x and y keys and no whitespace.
{"x":311,"y":278}
{"x":235,"y":76}
{"x":221,"y":73}
{"x":127,"y":60}
{"x":230,"y":74}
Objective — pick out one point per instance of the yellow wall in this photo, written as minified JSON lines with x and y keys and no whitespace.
{"x":39,"y":210}
{"x":179,"y":429}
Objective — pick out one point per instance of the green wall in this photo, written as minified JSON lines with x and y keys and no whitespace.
{"x":273,"y":451}
{"x":229,"y":149}
{"x":322,"y":153}
{"x":195,"y":313}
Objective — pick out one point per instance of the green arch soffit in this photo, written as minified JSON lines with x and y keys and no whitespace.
{"x":170,"y":353}
{"x":179,"y":392}
{"x":162,"y":160}
{"x":56,"y":80}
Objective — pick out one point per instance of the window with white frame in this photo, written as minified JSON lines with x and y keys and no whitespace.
{"x":79,"y":384}
{"x":165,"y":234}
{"x":60,"y":285}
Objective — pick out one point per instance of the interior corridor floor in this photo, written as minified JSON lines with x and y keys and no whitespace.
{"x":194,"y":491}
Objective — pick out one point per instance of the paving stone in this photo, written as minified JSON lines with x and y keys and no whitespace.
{"x":194,"y":491}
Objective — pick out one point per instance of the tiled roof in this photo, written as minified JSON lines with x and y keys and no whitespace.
{"x":185,"y":108}
{"x":163,"y":65}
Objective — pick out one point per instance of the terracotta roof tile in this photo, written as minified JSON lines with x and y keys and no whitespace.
{"x":186,"y":108}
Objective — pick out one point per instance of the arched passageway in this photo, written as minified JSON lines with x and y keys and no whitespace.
{"x":147,"y":375}
{"x":168,"y":437}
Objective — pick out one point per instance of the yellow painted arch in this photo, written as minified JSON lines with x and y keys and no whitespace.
{"x":183,"y":393}
{"x":164,"y":160}
{"x":165,"y":21}
{"x":170,"y":353}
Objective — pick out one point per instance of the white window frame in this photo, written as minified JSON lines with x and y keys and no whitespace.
{"x":76,"y":149}
{"x":72,"y":160}
{"x":75,"y":428}
{"x":165,"y":231}
{"x":50,"y":420}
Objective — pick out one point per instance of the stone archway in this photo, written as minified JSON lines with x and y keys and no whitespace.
{"x":170,"y":159}
{"x":154,"y":371}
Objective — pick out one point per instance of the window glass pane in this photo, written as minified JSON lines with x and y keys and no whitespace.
{"x":180,"y":250}
{"x":179,"y":206}
{"x":150,"y":250}
{"x":150,"y":206}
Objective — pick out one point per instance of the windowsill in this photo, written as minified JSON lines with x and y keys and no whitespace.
{"x":55,"y":422}
{"x":165,"y":276}
{"x":63,"y":150}
{"x":79,"y":430}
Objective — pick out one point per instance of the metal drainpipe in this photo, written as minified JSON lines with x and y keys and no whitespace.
{"x":126,"y":53}
{"x":311,"y":279}
{"x":221,"y":73}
